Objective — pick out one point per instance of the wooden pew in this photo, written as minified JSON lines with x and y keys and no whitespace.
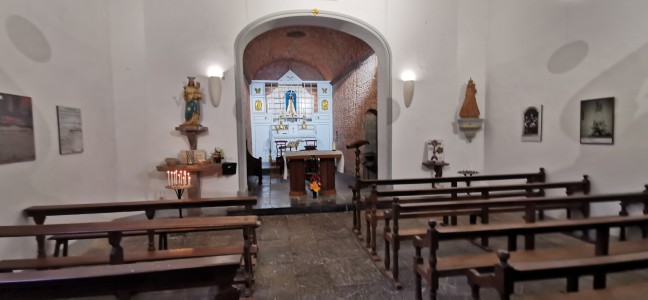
{"x":124,"y":280}
{"x":381,"y":198}
{"x":41,"y":212}
{"x":435,"y":267}
{"x":637,"y":291}
{"x":506,"y":273}
{"x":358,"y":205}
{"x":115,"y":231}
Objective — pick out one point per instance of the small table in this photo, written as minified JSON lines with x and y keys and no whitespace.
{"x":436,"y":165}
{"x":296,"y":165}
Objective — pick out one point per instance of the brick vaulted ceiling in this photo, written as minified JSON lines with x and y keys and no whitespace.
{"x":313,"y":53}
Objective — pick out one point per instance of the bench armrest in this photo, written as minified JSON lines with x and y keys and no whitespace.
{"x":478,"y":281}
{"x":421,"y":241}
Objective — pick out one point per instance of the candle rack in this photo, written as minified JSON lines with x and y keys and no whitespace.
{"x":179,"y":191}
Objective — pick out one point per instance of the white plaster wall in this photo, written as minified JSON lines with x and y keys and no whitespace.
{"x":525,"y":67}
{"x":58,"y":56}
{"x":443,"y":43}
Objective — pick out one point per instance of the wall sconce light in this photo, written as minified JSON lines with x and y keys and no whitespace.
{"x":469,"y":121}
{"x":408,"y":87}
{"x":214,"y":82}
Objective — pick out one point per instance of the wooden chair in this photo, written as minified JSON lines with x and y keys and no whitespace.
{"x":281,"y":146}
{"x":310,"y":144}
{"x":254,"y":167}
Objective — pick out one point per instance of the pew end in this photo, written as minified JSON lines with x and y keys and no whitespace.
{"x":477,"y":281}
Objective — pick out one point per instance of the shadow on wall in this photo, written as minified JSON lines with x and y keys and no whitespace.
{"x":627,"y":81}
{"x":568,"y":57}
{"x":28,"y":39}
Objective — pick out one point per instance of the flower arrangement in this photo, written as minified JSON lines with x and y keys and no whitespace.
{"x":218,"y":154}
{"x":315,"y":183}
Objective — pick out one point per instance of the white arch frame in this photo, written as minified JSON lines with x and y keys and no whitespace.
{"x":335,"y":21}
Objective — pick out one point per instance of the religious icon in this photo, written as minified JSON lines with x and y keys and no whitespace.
{"x":258,"y":105}
{"x":291,"y":107}
{"x":324,"y":90}
{"x":325,"y":105}
{"x":192,"y":97}
{"x":532,"y":124}
{"x":257,"y":90}
{"x":597,"y":121}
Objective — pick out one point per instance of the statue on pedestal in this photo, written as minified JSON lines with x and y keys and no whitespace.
{"x":192,"y":97}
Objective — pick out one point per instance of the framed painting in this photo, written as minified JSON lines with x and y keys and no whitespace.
{"x":70,"y":131}
{"x":16,"y":129}
{"x":532,"y":124}
{"x":597,"y":121}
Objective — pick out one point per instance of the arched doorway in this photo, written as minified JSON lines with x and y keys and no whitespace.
{"x":332,"y":20}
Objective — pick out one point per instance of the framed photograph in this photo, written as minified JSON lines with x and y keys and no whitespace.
{"x":532,"y":124}
{"x":597,"y":121}
{"x":70,"y":131}
{"x":16,"y":129}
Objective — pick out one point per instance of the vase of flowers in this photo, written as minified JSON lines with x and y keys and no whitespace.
{"x":315,"y":184}
{"x":218,"y":155}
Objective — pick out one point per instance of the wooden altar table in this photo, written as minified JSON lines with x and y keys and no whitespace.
{"x":297,"y":167}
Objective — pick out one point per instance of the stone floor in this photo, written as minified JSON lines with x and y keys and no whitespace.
{"x":317,"y":256}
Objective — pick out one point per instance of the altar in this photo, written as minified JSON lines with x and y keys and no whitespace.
{"x":327,"y":168}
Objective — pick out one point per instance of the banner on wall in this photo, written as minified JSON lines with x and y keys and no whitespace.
{"x":16,"y":129}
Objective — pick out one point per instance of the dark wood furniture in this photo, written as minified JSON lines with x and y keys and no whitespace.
{"x":436,"y":165}
{"x":254,"y":165}
{"x":434,"y":267}
{"x":124,"y":280}
{"x":381,"y":199}
{"x":636,"y":291}
{"x":280,"y":150}
{"x":359,"y":205}
{"x":296,"y":164}
{"x":483,"y":208}
{"x":310,"y":144}
{"x":507,"y":273}
{"x":41,"y":212}
{"x":115,"y":231}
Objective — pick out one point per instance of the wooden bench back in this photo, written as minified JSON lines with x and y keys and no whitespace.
{"x":124,"y":279}
{"x":530,"y":204}
{"x":384,"y":199}
{"x":506,"y":274}
{"x":39,"y":213}
{"x":529,"y":177}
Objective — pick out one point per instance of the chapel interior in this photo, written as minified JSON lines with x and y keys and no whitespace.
{"x":323,"y":149}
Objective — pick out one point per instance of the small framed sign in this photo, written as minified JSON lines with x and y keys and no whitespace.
{"x":532,"y":124}
{"x":597,"y":121}
{"x":70,"y":131}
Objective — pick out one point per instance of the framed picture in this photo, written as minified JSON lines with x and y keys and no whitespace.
{"x":435,"y":151}
{"x":597,"y":121}
{"x":70,"y":131}
{"x":16,"y":129}
{"x":532,"y":124}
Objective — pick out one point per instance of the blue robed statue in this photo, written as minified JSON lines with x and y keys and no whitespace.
{"x":291,"y":104}
{"x":192,"y":97}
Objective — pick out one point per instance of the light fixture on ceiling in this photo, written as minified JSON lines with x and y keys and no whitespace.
{"x":408,"y":87}
{"x":214,"y":82}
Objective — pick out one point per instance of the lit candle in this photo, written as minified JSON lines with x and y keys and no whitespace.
{"x":168,"y":178}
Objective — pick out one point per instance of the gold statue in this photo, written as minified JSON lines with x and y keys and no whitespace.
{"x":192,"y":97}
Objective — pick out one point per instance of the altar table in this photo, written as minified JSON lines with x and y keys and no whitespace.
{"x":296,"y":165}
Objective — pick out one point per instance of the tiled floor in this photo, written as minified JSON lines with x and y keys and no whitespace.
{"x":316,"y":256}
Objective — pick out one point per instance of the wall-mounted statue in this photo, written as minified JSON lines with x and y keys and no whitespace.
{"x":469,"y":121}
{"x":192,"y":97}
{"x":469,"y":108}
